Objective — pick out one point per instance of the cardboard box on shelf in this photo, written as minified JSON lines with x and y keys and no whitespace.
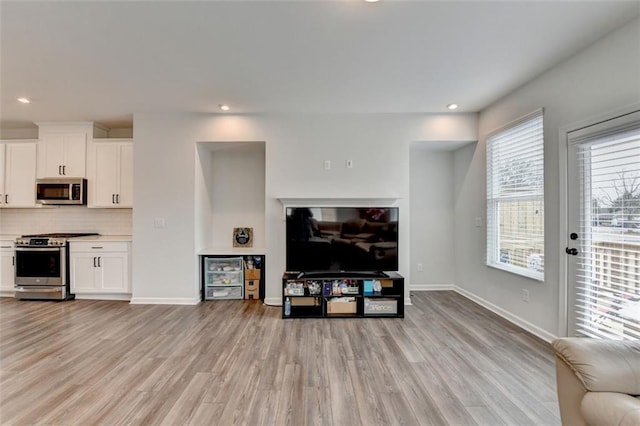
{"x":252,"y":274}
{"x":305,"y":301}
{"x":252,"y":294}
{"x":341,"y":307}
{"x":250,"y":285}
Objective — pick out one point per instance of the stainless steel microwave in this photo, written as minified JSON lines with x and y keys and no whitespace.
{"x":61,"y":191}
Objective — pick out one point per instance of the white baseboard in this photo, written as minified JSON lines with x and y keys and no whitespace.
{"x":164,"y":301}
{"x":533,"y":329}
{"x":99,"y":296}
{"x":273,"y":301}
{"x":431,"y":287}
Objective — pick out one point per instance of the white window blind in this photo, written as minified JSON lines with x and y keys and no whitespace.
{"x":515,"y":197}
{"x":608,"y":264}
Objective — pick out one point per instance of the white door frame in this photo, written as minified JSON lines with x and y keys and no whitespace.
{"x":563,"y":184}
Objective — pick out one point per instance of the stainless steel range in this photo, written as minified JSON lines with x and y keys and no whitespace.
{"x":42,"y":266}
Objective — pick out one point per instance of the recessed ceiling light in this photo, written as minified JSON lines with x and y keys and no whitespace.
{"x":452,"y":106}
{"x":224,"y":107}
{"x":372,"y":1}
{"x":24,"y":100}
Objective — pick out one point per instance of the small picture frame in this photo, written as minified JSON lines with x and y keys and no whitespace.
{"x":243,"y":237}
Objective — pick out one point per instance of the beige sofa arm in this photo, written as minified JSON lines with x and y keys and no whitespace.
{"x":602,"y":365}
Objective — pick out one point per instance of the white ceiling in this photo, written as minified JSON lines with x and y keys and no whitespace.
{"x":104,"y":61}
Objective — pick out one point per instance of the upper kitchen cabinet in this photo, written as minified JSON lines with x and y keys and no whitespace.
{"x":110,"y":173}
{"x":62,"y":148}
{"x":18,"y":174}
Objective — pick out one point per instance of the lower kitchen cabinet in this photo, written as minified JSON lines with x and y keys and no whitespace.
{"x":7,"y":267}
{"x":100,"y":268}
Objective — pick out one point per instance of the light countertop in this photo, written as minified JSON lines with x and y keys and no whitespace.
{"x":126,"y":238}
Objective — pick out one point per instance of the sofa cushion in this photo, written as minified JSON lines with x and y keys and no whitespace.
{"x":611,"y":408}
{"x":603,"y":365}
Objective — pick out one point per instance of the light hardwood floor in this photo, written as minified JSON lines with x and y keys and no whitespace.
{"x":449,"y":361}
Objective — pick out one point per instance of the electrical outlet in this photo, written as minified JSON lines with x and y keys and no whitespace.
{"x":420,"y":267}
{"x":158,"y":222}
{"x":525,"y":295}
{"x":327,"y":164}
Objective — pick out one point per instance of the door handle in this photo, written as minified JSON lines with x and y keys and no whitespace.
{"x":59,"y":170}
{"x":6,"y":198}
{"x":13,"y":260}
{"x":94,"y":261}
{"x":99,"y":262}
{"x":571,"y":251}
{"x":113,"y":198}
{"x":117,"y":198}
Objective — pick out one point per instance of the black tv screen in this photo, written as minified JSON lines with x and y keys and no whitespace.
{"x":342,"y":239}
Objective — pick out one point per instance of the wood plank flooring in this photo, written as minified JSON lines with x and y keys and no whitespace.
{"x":448,"y":362}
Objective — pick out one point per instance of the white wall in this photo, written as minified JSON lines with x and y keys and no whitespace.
{"x":236,"y":186}
{"x":165,"y":265}
{"x":602,"y":78}
{"x":432,"y":218}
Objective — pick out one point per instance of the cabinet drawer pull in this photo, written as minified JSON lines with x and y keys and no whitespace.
{"x":6,"y":247}
{"x":97,"y":247}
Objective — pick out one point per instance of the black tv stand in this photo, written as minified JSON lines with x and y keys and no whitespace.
{"x":342,"y":294}
{"x":342,"y":274}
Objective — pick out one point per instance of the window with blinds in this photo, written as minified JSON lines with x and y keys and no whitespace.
{"x":515,"y":197}
{"x":608,"y":266}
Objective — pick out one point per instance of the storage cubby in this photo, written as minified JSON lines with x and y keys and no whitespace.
{"x":348,"y":295}
{"x":232,"y":277}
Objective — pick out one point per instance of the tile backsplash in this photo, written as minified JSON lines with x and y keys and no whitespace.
{"x":66,"y":219}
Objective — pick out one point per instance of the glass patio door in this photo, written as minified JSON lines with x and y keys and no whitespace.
{"x":604,"y":229}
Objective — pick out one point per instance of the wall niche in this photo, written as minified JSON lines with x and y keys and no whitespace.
{"x":230,"y":193}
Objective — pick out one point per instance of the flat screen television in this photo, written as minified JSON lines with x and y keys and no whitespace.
{"x":342,"y":239}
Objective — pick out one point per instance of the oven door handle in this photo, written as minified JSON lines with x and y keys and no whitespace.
{"x":38,"y":248}
{"x":37,"y":289}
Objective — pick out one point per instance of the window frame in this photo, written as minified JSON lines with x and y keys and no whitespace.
{"x":493,"y":248}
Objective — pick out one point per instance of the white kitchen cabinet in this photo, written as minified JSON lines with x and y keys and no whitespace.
{"x":62,"y":155}
{"x":110,"y":174}
{"x":3,"y":149}
{"x":17,"y":184}
{"x":99,"y":268}
{"x":7,"y":267}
